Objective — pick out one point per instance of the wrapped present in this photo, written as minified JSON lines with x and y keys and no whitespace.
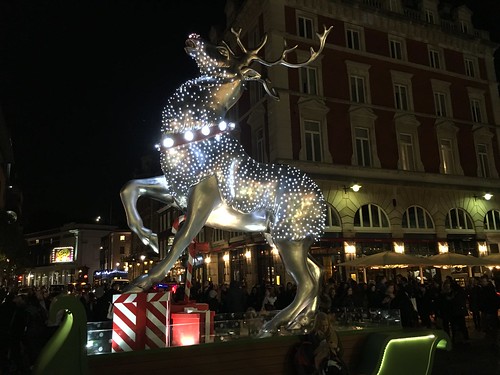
{"x":140,"y":321}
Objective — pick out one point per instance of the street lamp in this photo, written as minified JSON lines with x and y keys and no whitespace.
{"x":142,"y":259}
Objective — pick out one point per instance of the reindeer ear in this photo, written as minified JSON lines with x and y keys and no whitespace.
{"x":250,"y":74}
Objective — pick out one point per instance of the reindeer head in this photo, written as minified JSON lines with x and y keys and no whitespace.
{"x":222,"y":62}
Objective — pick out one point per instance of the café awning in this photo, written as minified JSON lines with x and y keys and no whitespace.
{"x":387,"y":259}
{"x":454,"y":259}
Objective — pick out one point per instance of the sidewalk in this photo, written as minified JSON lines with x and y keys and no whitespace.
{"x":478,"y":356}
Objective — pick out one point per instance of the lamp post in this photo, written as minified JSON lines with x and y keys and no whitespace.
{"x":142,"y":261}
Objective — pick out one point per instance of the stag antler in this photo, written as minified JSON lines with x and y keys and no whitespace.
{"x":253,"y":52}
{"x":282,"y":60}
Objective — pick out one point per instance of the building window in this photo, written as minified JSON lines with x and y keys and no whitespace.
{"x":305,"y":27}
{"x":260,"y":145}
{"x":416,"y":217}
{"x":483,"y":141}
{"x":313,"y":141}
{"x":357,"y":89}
{"x":308,"y":80}
{"x":469,"y":67}
{"x":353,"y":39}
{"x":217,"y":235}
{"x":122,"y":250}
{"x":396,"y":49}
{"x":440,"y":102}
{"x":401,"y":97}
{"x":484,"y":165}
{"x":122,"y":237}
{"x":363,"y":152}
{"x":475,"y":108}
{"x":429,"y":16}
{"x":371,"y":216}
{"x":492,"y":220}
{"x":407,"y":152}
{"x":434,"y":59}
{"x":458,"y":218}
{"x":446,"y":146}
{"x":332,"y":218}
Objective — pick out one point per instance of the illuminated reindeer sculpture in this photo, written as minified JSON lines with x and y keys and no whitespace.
{"x":208,"y":176}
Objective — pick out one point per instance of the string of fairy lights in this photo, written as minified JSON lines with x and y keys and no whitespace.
{"x":196,"y":143}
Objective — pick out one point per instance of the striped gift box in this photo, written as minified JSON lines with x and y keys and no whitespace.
{"x":140,"y":321}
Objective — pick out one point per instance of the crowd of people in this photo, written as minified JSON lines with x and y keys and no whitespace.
{"x":433,"y":304}
{"x":25,"y":327}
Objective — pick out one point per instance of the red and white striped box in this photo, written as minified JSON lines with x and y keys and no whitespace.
{"x":140,"y":321}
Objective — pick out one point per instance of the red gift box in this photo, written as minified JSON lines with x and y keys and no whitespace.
{"x":140,"y":321}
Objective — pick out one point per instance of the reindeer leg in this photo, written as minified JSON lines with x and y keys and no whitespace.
{"x":202,"y":199}
{"x":306,"y":315}
{"x":156,"y":188}
{"x":294,"y":257}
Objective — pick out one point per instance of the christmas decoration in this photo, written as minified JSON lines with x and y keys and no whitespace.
{"x":208,"y":175}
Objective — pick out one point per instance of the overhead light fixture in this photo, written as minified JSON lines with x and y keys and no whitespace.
{"x":486,"y":196}
{"x":353,"y":187}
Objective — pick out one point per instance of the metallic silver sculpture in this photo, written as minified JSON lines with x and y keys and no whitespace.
{"x":208,"y":176}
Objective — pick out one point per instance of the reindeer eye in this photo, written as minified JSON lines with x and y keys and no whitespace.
{"x":223,"y":51}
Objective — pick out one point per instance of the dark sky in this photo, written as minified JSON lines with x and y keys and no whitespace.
{"x":82,"y":85}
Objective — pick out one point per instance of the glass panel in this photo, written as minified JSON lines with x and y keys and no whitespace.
{"x":412,"y":216}
{"x":496,"y":219}
{"x":357,"y":218}
{"x":404,"y":223}
{"x":365,"y":216}
{"x":420,"y":217}
{"x":428,"y":220}
{"x":375,"y":216}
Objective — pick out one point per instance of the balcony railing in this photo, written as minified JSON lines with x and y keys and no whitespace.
{"x":416,"y":15}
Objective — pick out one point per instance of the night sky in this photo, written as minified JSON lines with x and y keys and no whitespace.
{"x":82,"y":86}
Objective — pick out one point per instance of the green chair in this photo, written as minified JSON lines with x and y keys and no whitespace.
{"x":405,"y":351}
{"x":65,"y":353}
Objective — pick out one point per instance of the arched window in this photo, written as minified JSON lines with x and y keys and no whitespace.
{"x":371,"y":216}
{"x":458,"y":218}
{"x":492,"y":220}
{"x":332,"y":219}
{"x":416,"y":217}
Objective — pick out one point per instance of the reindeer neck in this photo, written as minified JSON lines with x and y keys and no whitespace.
{"x":200,"y":102}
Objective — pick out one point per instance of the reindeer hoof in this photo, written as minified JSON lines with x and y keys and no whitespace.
{"x":263,"y":333}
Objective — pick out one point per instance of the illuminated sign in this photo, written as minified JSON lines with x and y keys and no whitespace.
{"x":62,"y":254}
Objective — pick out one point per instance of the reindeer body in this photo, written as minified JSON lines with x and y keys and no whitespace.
{"x":208,"y":175}
{"x":247,"y":186}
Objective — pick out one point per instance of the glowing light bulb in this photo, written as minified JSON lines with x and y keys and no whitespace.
{"x":168,"y":142}
{"x":232,"y":125}
{"x":222,"y":125}
{"x":205,"y":130}
{"x":188,"y":136}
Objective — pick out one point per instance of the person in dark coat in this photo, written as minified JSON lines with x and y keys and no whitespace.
{"x":424,"y":306}
{"x":473,"y":298}
{"x":235,"y":298}
{"x":458,"y":311}
{"x":489,"y":304}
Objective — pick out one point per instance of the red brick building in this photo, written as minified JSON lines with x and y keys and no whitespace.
{"x":403,"y":101}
